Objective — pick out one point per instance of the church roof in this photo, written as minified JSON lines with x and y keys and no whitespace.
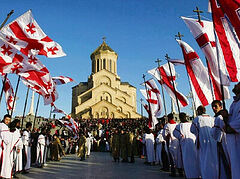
{"x":126,"y":83}
{"x":102,"y":47}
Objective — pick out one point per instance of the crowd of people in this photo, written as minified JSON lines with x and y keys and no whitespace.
{"x":205,"y":147}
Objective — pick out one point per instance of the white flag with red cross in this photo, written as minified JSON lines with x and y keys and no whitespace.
{"x":231,"y":10}
{"x":151,"y":85}
{"x":60,"y":80}
{"x":227,"y":40}
{"x":9,"y":94}
{"x":152,"y":100}
{"x":163,"y":75}
{"x":203,"y":32}
{"x":198,"y":76}
{"x":25,"y":34}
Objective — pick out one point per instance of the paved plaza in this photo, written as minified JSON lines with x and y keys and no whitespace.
{"x":98,"y":165}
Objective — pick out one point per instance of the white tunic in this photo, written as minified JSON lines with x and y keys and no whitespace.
{"x":173,"y":148}
{"x":89,"y":141}
{"x":220,"y":136}
{"x":148,"y":140}
{"x":201,"y":127}
{"x":188,"y":149}
{"x":159,"y":141}
{"x":233,"y":140}
{"x":40,"y":149}
{"x":26,"y":139}
{"x":17,"y":145}
{"x":6,"y":159}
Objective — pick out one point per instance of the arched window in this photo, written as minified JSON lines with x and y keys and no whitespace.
{"x":110,"y":65}
{"x":106,"y":98}
{"x":104,"y":63}
{"x":97,"y":65}
{"x":93,"y":66}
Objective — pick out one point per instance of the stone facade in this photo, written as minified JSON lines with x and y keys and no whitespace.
{"x":104,"y":95}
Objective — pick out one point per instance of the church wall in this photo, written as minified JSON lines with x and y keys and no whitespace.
{"x":104,"y":95}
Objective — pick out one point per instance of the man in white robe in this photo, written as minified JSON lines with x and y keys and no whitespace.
{"x":220,"y":136}
{"x":89,"y":141}
{"x":148,"y":140}
{"x":26,"y":139}
{"x":6,"y":139}
{"x":206,"y":145}
{"x":172,"y":145}
{"x":231,"y":125}
{"x":17,"y":146}
{"x":40,"y":148}
{"x":187,"y":147}
{"x":159,"y":141}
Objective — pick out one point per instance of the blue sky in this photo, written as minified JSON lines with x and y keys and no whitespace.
{"x":140,"y":31}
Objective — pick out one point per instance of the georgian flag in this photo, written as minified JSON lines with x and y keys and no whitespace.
{"x":204,"y":34}
{"x":163,"y":75}
{"x":56,"y":110}
{"x":228,"y":43}
{"x":9,"y":94}
{"x":198,"y":76}
{"x":60,"y":80}
{"x":26,"y":35}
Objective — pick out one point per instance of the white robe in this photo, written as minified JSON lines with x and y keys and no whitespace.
{"x":40,"y":149}
{"x":173,"y":148}
{"x":6,"y":140}
{"x":188,"y":149}
{"x":17,"y":145}
{"x":220,"y":136}
{"x":233,"y":140}
{"x":89,"y":141}
{"x":201,"y":127}
{"x":159,"y":141}
{"x":148,"y":140}
{"x":26,"y":139}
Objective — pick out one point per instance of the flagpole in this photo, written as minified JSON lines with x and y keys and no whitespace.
{"x":179,"y":35}
{"x":15,"y":95}
{"x":25,"y":106}
{"x":164,"y":102}
{"x":4,"y":81}
{"x":141,"y":107}
{"x":36,"y":111}
{"x":8,"y":15}
{"x":210,"y":81}
{"x":50,"y":115}
{"x":3,"y":23}
{"x":175,"y":92}
{"x":149,"y":106}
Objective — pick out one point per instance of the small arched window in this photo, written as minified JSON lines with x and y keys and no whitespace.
{"x":104,"y":63}
{"x":110,"y":65}
{"x":97,"y":65}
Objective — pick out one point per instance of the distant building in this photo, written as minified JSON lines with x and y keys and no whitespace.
{"x":104,"y":95}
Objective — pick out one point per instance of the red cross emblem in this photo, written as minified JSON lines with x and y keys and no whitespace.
{"x":11,"y":40}
{"x":52,"y":50}
{"x":150,"y":100}
{"x":6,"y":50}
{"x":30,"y":28}
{"x":32,"y":60}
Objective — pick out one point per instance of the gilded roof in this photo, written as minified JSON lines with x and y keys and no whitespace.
{"x":102,"y":47}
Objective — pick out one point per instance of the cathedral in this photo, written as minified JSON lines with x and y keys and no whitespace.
{"x":104,"y":95}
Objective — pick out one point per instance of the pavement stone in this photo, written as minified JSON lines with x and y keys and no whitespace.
{"x":99,"y":165}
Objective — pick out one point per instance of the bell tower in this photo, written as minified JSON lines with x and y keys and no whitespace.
{"x":104,"y":58}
